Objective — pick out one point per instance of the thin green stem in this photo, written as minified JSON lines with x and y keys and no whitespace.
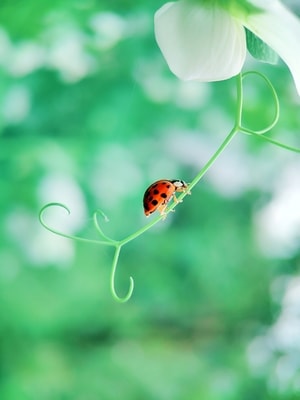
{"x":272,"y":141}
{"x":156,"y":220}
{"x":182,"y":195}
{"x":211,"y":161}
{"x":239,"y":102}
{"x":142,"y":230}
{"x":206,"y":167}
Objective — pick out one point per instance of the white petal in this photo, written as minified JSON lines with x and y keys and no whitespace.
{"x":200,"y":43}
{"x":280,"y":29}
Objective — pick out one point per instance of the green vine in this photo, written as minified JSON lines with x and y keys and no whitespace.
{"x":118,"y":244}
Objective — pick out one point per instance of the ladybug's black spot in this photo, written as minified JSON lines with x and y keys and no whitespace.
{"x":163,"y":195}
{"x":168,"y":185}
{"x":154,"y":202}
{"x":155,"y":191}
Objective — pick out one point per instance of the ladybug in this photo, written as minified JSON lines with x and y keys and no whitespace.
{"x":158,"y":195}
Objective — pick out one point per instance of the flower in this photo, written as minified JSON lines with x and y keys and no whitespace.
{"x":207,"y":42}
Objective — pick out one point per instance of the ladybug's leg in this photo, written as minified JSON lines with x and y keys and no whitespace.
{"x":176,"y":201}
{"x":162,"y":210}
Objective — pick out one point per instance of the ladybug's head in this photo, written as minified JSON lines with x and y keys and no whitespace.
{"x":180,"y":185}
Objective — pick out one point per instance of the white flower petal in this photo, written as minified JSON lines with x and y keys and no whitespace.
{"x":200,"y":43}
{"x":280,"y":29}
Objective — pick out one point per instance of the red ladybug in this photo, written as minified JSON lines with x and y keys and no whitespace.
{"x":158,"y":195}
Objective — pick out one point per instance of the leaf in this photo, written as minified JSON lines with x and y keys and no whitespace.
{"x":259,"y":49}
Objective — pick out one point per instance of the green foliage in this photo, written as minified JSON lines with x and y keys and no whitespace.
{"x":91,"y":127}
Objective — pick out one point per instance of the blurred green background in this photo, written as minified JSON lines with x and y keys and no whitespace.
{"x":90,"y":116}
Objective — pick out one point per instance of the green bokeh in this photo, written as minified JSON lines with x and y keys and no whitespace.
{"x":90,"y":116}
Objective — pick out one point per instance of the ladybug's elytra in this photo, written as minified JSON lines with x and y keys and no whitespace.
{"x":158,"y":195}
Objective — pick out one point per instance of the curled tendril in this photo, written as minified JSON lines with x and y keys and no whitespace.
{"x":98,"y":227}
{"x":41,"y":218}
{"x":107,"y":242}
{"x":118,"y":246}
{"x":260,"y":133}
{"x":276,"y":103}
{"x":53,"y":230}
{"x":112,"y":279}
